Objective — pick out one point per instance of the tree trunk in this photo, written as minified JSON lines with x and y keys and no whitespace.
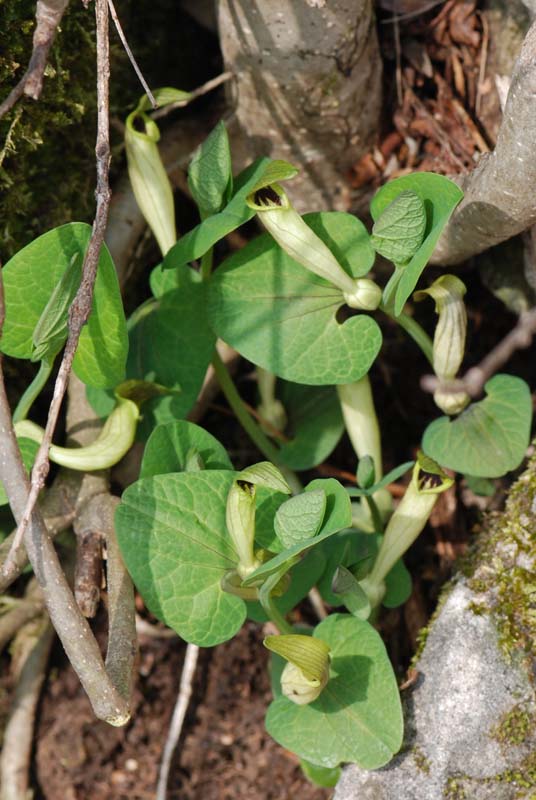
{"x":307,"y":88}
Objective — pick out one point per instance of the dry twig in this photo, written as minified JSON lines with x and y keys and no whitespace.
{"x":130,"y":54}
{"x":48,"y":14}
{"x":18,"y":734}
{"x":177,"y":720}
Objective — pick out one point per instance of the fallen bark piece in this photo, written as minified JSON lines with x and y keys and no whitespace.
{"x":471,"y":715}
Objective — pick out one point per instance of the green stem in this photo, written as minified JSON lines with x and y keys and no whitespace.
{"x":417,"y":333}
{"x":250,"y":426}
{"x":375,"y":514}
{"x":267,"y":602}
{"x":34,"y":389}
{"x":206,"y":264}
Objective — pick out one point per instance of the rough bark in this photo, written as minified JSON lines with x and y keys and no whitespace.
{"x":470,"y":718}
{"x":307,"y":88}
{"x":500,"y":200}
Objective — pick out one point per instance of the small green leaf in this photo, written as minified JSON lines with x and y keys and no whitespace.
{"x":30,"y":278}
{"x":399,"y":230}
{"x":321,"y":776}
{"x":440,"y":197}
{"x":391,"y":477}
{"x":303,"y":577}
{"x":283,"y":318}
{"x":172,"y":533}
{"x":346,"y":586}
{"x":164,"y":97}
{"x":360,"y":704}
{"x":300,"y":518}
{"x":210,"y":173}
{"x":482,"y":487}
{"x":338,"y":515}
{"x":366,"y":474}
{"x":314,"y":424}
{"x":169,"y":446}
{"x":52,"y":328}
{"x":265,"y":474}
{"x":28,"y":449}
{"x":198,"y":241}
{"x":490,"y":437}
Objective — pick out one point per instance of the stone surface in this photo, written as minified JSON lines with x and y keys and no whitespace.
{"x":471,"y":716}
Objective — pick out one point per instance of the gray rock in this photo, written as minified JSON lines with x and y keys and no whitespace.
{"x":471,"y":715}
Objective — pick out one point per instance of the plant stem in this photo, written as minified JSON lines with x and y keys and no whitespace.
{"x":417,"y":333}
{"x":33,"y":390}
{"x":250,"y":426}
{"x":206,"y":264}
{"x":267,"y":602}
{"x":375,"y":514}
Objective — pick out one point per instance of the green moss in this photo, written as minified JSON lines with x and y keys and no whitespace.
{"x":454,"y":790}
{"x":515,"y":726}
{"x":421,"y":761}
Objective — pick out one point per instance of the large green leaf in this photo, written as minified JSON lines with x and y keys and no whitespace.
{"x":169,"y":447}
{"x":171,"y":344}
{"x":198,"y":241}
{"x":30,"y":278}
{"x":338,"y":515}
{"x":358,"y":717}
{"x":172,"y":533}
{"x":440,"y":196}
{"x":284,"y":318}
{"x":314,"y":424}
{"x":490,"y":437}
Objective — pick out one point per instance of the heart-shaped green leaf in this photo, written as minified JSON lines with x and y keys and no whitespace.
{"x":172,"y":533}
{"x":300,"y":517}
{"x":490,"y":437}
{"x":169,"y":446}
{"x":399,"y":230}
{"x":314,"y":424}
{"x":209,"y":174}
{"x":440,"y":197}
{"x":360,"y":706}
{"x":30,"y":278}
{"x":283,"y":318}
{"x":171,"y":344}
{"x":338,"y":515}
{"x":198,"y":241}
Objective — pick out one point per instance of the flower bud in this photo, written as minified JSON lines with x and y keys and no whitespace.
{"x":357,"y":405}
{"x":240,"y":520}
{"x":427,"y":483}
{"x":296,"y":238}
{"x":366,"y":296}
{"x":149,"y":180}
{"x":449,"y":338}
{"x":307,"y":671}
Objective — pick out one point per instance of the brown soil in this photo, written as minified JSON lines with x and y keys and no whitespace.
{"x":224,"y":753}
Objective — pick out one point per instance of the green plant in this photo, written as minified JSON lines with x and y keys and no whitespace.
{"x":208,"y":545}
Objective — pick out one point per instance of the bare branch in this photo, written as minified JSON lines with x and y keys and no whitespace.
{"x":179,"y":713}
{"x":500,"y":200}
{"x":475,"y":379}
{"x":48,"y":16}
{"x":18,"y":734}
{"x":122,"y":636}
{"x":81,"y":306}
{"x":88,"y":569}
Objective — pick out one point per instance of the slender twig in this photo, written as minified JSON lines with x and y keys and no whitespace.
{"x":81,"y":306}
{"x":474,"y":379}
{"x":130,"y":54}
{"x":48,"y":16}
{"x":177,"y":720}
{"x":213,"y":83}
{"x":18,"y":734}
